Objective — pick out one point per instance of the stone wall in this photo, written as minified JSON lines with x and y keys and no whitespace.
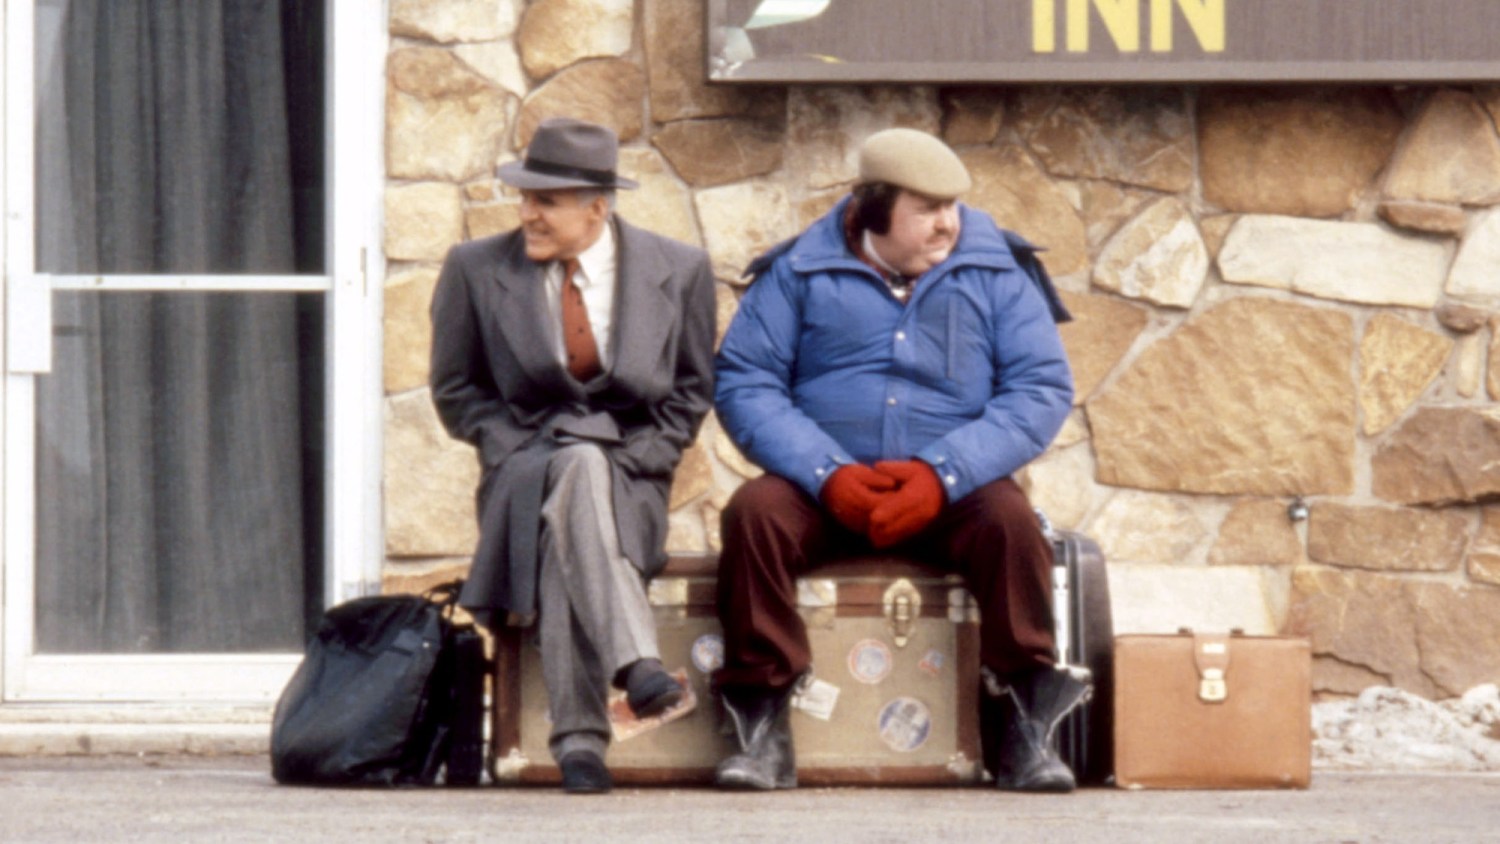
{"x":1287,"y":345}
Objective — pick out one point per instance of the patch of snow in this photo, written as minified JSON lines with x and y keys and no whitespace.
{"x":1390,"y":729}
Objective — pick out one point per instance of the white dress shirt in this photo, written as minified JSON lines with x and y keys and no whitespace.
{"x":596,"y":281}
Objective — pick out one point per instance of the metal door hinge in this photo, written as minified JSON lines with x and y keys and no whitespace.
{"x":28,"y":323}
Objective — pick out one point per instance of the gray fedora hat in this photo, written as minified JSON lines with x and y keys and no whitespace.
{"x":567,"y":153}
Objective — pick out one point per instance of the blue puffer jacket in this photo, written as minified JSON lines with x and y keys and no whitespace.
{"x":823,"y":366}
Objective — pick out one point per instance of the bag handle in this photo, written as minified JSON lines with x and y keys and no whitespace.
{"x":445,"y":595}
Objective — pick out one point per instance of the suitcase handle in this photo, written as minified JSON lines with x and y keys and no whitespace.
{"x":1062,"y":612}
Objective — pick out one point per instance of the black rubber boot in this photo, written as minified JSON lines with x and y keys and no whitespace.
{"x":1027,"y":708}
{"x":762,"y":724}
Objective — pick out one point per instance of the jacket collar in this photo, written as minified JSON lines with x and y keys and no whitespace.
{"x":823,"y":246}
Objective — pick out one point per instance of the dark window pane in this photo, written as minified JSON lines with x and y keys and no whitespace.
{"x":178,"y":476}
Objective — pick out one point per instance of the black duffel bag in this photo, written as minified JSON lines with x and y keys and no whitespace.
{"x":389,"y":693}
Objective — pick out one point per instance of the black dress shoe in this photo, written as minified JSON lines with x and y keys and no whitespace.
{"x":653,"y":694}
{"x":584,"y":773}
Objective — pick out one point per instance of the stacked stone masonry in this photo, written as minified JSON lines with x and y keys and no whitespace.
{"x":1287,"y":301}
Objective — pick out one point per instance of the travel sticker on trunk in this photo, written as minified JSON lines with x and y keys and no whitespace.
{"x":817,"y":699}
{"x":905,"y":724}
{"x":870,"y":661}
{"x":708,"y":652}
{"x":932,"y":663}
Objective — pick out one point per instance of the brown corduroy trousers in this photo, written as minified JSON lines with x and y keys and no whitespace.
{"x":773,"y":532}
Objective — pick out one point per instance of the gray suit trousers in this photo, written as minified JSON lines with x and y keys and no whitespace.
{"x":594,"y":618}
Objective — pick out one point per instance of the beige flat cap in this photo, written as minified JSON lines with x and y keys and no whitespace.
{"x":908,"y":158}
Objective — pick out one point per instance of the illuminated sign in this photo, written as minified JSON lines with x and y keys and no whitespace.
{"x":1102,"y":40}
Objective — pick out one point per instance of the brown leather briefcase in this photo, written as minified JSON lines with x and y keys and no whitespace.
{"x":1197,"y":710}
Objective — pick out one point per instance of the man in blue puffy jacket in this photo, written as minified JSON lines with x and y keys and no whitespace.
{"x":890,"y":369}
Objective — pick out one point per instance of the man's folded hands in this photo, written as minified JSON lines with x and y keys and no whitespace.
{"x":889,"y":502}
{"x":853,"y":491}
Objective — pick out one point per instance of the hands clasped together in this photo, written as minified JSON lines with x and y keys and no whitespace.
{"x":889,"y":502}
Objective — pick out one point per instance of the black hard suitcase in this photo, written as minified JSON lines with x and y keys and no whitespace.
{"x":464,"y":764}
{"x":1085,"y":636}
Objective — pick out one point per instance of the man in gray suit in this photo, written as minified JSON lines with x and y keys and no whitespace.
{"x":576,"y":354}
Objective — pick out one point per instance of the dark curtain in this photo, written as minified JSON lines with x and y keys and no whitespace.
{"x":173,"y":430}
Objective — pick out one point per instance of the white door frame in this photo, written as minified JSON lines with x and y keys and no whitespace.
{"x":353,"y":543}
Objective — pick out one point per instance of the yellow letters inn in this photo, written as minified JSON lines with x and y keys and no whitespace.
{"x":1122,"y":19}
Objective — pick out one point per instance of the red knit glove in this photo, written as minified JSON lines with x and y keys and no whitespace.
{"x":852,"y":491}
{"x":912,"y":507}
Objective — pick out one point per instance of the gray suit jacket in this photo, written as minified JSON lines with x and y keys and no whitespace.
{"x":498,"y":385}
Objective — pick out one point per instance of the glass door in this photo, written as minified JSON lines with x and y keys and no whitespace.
{"x":192,"y":341}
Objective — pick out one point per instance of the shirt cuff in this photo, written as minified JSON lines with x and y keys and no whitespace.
{"x":823,"y":472}
{"x":948,"y":472}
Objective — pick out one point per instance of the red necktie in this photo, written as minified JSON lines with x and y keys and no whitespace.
{"x":578,"y":336}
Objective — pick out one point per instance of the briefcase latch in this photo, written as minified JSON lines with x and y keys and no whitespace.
{"x":1211,"y":653}
{"x":903,"y":605}
{"x":1211,"y":687}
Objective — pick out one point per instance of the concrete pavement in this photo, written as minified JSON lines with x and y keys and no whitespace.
{"x":233,"y":799}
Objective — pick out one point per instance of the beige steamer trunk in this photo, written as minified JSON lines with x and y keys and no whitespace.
{"x":894,"y":698}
